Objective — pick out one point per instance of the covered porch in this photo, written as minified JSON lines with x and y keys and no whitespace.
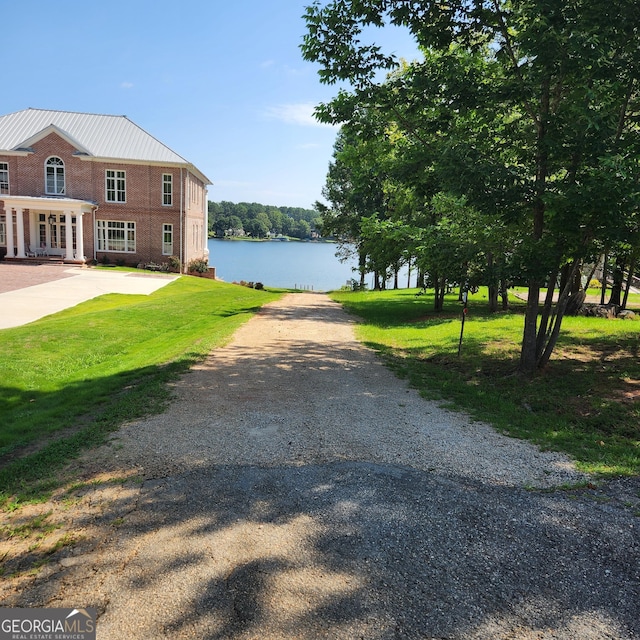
{"x":45,"y":227}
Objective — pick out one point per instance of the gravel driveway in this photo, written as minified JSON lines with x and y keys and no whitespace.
{"x":296,"y":489}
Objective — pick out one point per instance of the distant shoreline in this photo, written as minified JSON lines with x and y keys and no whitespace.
{"x":283,"y":239}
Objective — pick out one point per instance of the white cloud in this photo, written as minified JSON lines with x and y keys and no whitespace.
{"x":300,"y":114}
{"x":126,"y":85}
{"x":295,"y":73}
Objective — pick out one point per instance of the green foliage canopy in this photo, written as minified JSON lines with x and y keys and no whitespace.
{"x":228,"y":219}
{"x":528,"y":109}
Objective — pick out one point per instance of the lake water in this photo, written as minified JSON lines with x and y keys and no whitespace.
{"x":305,"y":265}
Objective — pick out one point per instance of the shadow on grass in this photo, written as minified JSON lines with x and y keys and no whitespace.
{"x":587,"y":408}
{"x":29,"y":468}
{"x":92,"y":353}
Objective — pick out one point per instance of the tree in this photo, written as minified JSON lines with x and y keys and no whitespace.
{"x":354,"y":188}
{"x":302,"y":230}
{"x":288,"y":226}
{"x":264,"y":220}
{"x":228,"y":217}
{"x":275,"y":218}
{"x":256,"y":228}
{"x":234,"y":226}
{"x":547,"y":118}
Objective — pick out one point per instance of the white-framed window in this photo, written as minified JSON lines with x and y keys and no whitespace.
{"x":3,"y":231}
{"x":4,"y":177}
{"x":42,"y":229}
{"x":167,"y":239}
{"x":116,"y":186}
{"x":114,"y":235}
{"x":167,"y":189}
{"x":54,"y":176}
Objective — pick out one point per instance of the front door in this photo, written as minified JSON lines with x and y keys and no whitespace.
{"x":52,"y":232}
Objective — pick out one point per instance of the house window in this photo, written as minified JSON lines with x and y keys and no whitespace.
{"x":116,"y":236}
{"x":3,"y":231}
{"x":167,"y":189}
{"x":116,"y":186}
{"x":167,"y":239}
{"x":54,"y":176}
{"x":4,"y":177}
{"x":42,"y":229}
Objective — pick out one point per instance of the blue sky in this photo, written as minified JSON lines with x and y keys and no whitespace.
{"x":222,"y":83}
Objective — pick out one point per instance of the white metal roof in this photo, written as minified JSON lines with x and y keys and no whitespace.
{"x":99,"y":136}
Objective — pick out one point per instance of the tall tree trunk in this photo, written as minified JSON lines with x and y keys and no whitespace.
{"x":529,"y":352}
{"x":493,"y":285}
{"x":565,"y":273}
{"x":528,"y":356}
{"x":576,"y":284}
{"x":493,"y":298}
{"x":504,"y":294}
{"x":547,"y":308}
{"x":632,"y":269}
{"x":557,"y":320}
{"x":439,"y":288}
{"x":615,"y":299}
{"x":605,"y":261}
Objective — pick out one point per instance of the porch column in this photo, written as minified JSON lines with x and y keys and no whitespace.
{"x":20,"y":233}
{"x":79,"y":236}
{"x":68,"y":234}
{"x":34,"y":236}
{"x":9,"y":223}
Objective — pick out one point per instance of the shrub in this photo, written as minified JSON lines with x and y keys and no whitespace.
{"x":258,"y":285}
{"x":595,"y":284}
{"x":354,"y":285}
{"x":174,"y":264}
{"x":199,"y":266}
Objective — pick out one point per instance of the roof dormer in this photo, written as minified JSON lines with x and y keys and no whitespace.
{"x":27,"y":145}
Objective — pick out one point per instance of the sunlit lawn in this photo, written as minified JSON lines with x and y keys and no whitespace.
{"x":74,"y":376}
{"x":586,"y":402}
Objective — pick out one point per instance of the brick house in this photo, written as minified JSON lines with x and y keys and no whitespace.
{"x":89,"y":187}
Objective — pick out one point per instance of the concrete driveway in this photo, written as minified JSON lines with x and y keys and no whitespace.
{"x":30,"y":292}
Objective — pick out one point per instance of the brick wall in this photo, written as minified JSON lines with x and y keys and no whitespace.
{"x":86,"y":180}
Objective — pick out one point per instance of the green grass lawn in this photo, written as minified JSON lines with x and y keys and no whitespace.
{"x":71,"y":378}
{"x":67,"y":381}
{"x":586,"y":403}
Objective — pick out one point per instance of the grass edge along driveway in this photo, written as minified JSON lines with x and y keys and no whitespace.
{"x":586,"y":403}
{"x":70,"y":379}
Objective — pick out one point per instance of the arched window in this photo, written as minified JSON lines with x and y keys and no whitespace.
{"x":54,"y":176}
